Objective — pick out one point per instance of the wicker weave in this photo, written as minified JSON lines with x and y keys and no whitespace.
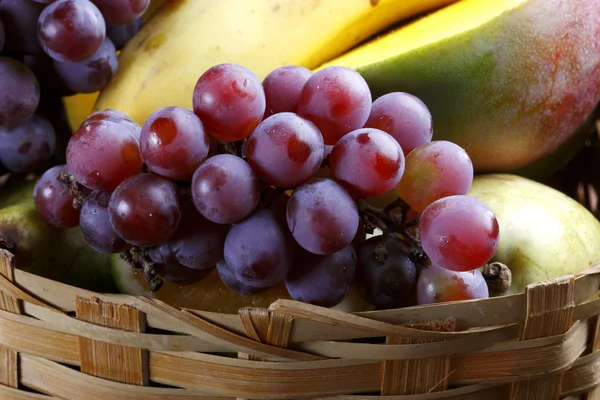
{"x":58,"y":341}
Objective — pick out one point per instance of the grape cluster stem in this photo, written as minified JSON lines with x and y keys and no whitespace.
{"x":76,"y":190}
{"x":497,"y":276}
{"x":138,"y":259}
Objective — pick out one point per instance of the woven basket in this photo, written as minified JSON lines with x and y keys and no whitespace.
{"x":61,"y":342}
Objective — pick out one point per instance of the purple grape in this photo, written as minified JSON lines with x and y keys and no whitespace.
{"x":20,"y":18}
{"x":322,"y":280}
{"x":225,"y":189}
{"x":121,"y":12}
{"x":171,"y":271}
{"x":386,"y":273}
{"x":53,"y":201}
{"x":92,"y":74}
{"x":230,"y":280}
{"x":20,"y":94}
{"x":121,"y":34}
{"x":282,"y":88}
{"x":42,"y":65}
{"x":322,"y":216}
{"x":256,"y":250}
{"x":285,"y":150}
{"x":27,"y":146}
{"x":438,"y":285}
{"x":95,"y":225}
{"x":114,"y":116}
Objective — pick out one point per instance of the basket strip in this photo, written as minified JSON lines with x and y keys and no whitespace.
{"x":115,"y":362}
{"x":265,"y":327}
{"x":584,"y":376}
{"x":594,"y":393}
{"x":472,"y":392}
{"x":549,"y":312}
{"x":8,"y":393}
{"x":9,"y":367}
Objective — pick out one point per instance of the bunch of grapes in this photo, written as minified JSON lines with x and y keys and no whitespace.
{"x":269,"y":182}
{"x":50,"y":49}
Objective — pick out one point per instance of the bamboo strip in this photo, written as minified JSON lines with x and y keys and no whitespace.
{"x":583,"y":376}
{"x":594,"y":393}
{"x":472,"y":392}
{"x":9,"y":369}
{"x":8,"y":393}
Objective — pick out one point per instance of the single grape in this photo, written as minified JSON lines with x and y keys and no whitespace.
{"x":53,"y":201}
{"x":435,"y":170}
{"x":20,"y":19}
{"x":173,"y":143}
{"x":93,"y":73}
{"x":145,"y":210}
{"x":103,"y":154}
{"x":386,"y":274}
{"x":225,"y":189}
{"x":27,"y":146}
{"x":255,"y":249}
{"x":120,"y":12}
{"x":171,"y":271}
{"x":231,"y":281}
{"x":322,"y":216}
{"x":282,"y":88}
{"x":71,"y":30}
{"x":2,"y":36}
{"x":367,"y":162}
{"x":285,"y":150}
{"x":322,"y":280}
{"x":197,"y":243}
{"x":42,"y":65}
{"x":439,"y":285}
{"x":459,"y":233}
{"x":403,"y":116}
{"x":20,"y":92}
{"x":115,"y":116}
{"x":337,"y":99}
{"x":95,"y":225}
{"x":230,"y":101}
{"x":121,"y":34}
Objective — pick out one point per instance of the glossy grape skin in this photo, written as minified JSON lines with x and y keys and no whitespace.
{"x":337,"y":99}
{"x":403,"y":116}
{"x":225,"y":189}
{"x":28,"y":145}
{"x":95,"y":225}
{"x":172,"y":271}
{"x":115,"y":116}
{"x":103,"y":154}
{"x":386,"y":274}
{"x":322,"y":216}
{"x":322,"y":280}
{"x":173,"y":143}
{"x":121,"y":34}
{"x":71,"y":30}
{"x":367,"y":162}
{"x":285,"y":150}
{"x":230,"y":280}
{"x":20,"y":18}
{"x":91,"y":74}
{"x":230,"y":101}
{"x":459,"y":233}
{"x":282,"y":88}
{"x":53,"y":201}
{"x":20,"y":92}
{"x":145,"y":210}
{"x":435,"y":170}
{"x":439,"y":285}
{"x":122,"y":12}
{"x":197,"y":243}
{"x":256,"y":251}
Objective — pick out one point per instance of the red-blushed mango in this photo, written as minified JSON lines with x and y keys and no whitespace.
{"x":508,"y":80}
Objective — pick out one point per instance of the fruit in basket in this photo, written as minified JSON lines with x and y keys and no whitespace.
{"x":191,"y":36}
{"x":510,"y":81}
{"x":545,"y":234}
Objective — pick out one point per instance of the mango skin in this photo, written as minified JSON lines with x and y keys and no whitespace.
{"x":511,"y":91}
{"x":544,"y":234}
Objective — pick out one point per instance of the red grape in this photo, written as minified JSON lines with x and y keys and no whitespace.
{"x":28,"y":145}
{"x":322,"y":216}
{"x":95,"y":225}
{"x":322,"y":280}
{"x":285,"y":150}
{"x":337,"y":100}
{"x":230,"y":101}
{"x":103,"y":154}
{"x":71,"y":30}
{"x":121,"y":34}
{"x":282,"y":88}
{"x":53,"y":201}
{"x":115,"y":116}
{"x":459,"y":233}
{"x":438,"y":285}
{"x":173,"y":143}
{"x":145,"y":210}
{"x":403,"y":116}
{"x":20,"y":92}
{"x":121,"y":12}
{"x":225,"y":189}
{"x":367,"y":162}
{"x":231,"y":281}
{"x":20,"y":19}
{"x":435,"y":170}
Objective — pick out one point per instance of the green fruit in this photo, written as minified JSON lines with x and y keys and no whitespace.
{"x":508,"y":80}
{"x":544,"y":234}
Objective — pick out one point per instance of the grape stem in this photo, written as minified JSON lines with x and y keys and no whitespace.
{"x":76,"y":190}
{"x":138,"y":259}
